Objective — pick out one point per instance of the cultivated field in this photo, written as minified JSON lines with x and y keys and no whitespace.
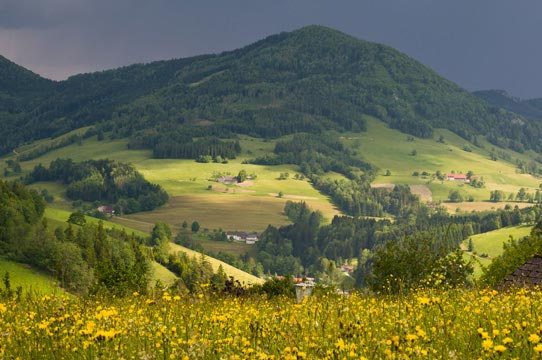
{"x":481,"y":206}
{"x":225,"y":211}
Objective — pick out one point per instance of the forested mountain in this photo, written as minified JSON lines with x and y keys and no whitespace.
{"x":531,"y":108}
{"x":309,"y":80}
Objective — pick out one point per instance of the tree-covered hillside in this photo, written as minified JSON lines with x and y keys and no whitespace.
{"x":309,"y":80}
{"x":531,"y":108}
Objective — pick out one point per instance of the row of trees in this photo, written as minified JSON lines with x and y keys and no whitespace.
{"x":208,"y":146}
{"x":522,"y":195}
{"x":299,"y":247}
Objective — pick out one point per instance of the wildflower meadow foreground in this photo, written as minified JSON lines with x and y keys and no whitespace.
{"x":455,"y":324}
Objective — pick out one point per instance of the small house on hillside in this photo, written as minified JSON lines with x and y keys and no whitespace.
{"x":456,"y":177}
{"x":249,"y":239}
{"x":528,"y":275}
{"x":106,"y":210}
{"x":228,"y":179}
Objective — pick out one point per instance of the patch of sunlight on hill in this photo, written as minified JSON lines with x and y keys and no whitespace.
{"x":240,"y":275}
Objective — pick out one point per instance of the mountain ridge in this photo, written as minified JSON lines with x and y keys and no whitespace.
{"x":530,"y":108}
{"x":309,"y":80}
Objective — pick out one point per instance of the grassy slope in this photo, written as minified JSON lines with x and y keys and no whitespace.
{"x":240,"y":275}
{"x":389,"y":149}
{"x":160,"y":273}
{"x":491,"y":243}
{"x":29,"y":279}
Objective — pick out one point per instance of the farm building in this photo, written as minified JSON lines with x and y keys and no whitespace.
{"x":456,"y":177}
{"x":248,"y":238}
{"x":228,"y":179}
{"x":106,"y":210}
{"x":528,"y":275}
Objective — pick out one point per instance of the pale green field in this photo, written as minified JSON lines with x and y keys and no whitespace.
{"x":491,"y":243}
{"x":61,"y":216}
{"x":162,"y":274}
{"x":228,"y":247}
{"x":481,"y":206}
{"x":389,"y":149}
{"x":29,"y":279}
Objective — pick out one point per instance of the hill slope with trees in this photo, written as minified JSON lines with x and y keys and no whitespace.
{"x":309,"y":80}
{"x":531,"y":108}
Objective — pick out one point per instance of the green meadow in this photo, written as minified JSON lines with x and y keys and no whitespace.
{"x":30,"y":280}
{"x":162,"y":274}
{"x":490,"y":245}
{"x":194,"y":197}
{"x":392,"y":150}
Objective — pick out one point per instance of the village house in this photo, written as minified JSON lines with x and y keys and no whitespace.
{"x":456,"y":177}
{"x":106,"y":210}
{"x":228,"y":179}
{"x":248,"y":238}
{"x":306,"y":280}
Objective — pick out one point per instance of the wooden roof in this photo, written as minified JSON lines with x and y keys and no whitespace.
{"x":528,"y":275}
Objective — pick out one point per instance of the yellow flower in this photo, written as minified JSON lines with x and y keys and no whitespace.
{"x":423,"y":300}
{"x":500,"y":348}
{"x":507,"y":340}
{"x":340,"y":344}
{"x":487,"y":344}
{"x":538,"y":348}
{"x":533,"y":338}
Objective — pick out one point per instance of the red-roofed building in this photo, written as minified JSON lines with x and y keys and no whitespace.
{"x":456,"y":177}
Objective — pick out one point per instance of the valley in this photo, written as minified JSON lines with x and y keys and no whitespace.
{"x":226,"y":180}
{"x":331,"y":154}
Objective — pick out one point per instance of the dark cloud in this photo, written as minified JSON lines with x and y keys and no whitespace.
{"x":478,"y":44}
{"x":19,"y":14}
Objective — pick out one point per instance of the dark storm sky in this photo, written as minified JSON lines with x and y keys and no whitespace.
{"x":479,"y":44}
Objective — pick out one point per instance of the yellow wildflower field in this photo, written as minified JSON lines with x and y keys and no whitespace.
{"x":451,"y":324}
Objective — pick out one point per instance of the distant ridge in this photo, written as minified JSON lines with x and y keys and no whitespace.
{"x":531,"y":108}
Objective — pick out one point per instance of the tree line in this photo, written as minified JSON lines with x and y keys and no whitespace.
{"x":299,"y":248}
